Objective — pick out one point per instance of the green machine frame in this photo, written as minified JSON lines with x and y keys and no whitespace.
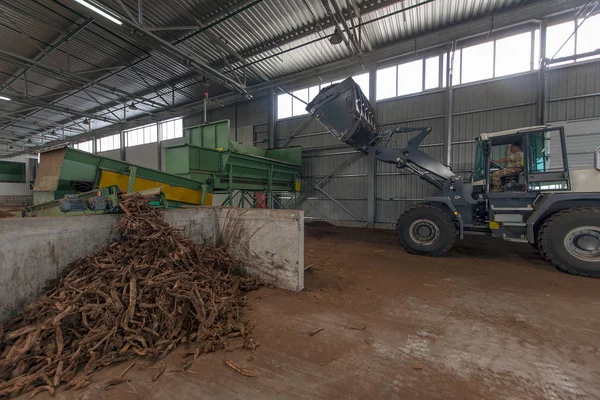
{"x":247,"y":174}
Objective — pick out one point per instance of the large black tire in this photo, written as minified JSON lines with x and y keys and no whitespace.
{"x":570,"y":239}
{"x":426,"y":230}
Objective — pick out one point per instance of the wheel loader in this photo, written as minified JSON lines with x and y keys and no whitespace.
{"x":541,"y":201}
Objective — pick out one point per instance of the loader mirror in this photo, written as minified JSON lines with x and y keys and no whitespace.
{"x":597,"y":159}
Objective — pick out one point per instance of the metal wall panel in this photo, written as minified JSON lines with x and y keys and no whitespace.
{"x":145,"y":155}
{"x":487,"y":106}
{"x":573,"y":92}
{"x":491,"y":106}
{"x":583,"y":138}
{"x":322,"y":154}
{"x":114,"y":154}
{"x":396,"y":190}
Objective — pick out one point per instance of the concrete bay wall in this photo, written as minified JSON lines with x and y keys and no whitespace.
{"x":34,"y":251}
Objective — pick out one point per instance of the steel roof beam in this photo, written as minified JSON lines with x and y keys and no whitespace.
{"x":312,"y":28}
{"x":177,"y":54}
{"x":221,"y":16}
{"x":49,"y":49}
{"x":75,"y":77}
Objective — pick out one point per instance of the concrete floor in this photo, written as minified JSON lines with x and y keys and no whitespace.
{"x":490,"y":320}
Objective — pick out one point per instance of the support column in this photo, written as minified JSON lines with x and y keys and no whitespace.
{"x":371,"y":162}
{"x":449,"y":106}
{"x":123,"y":141}
{"x":542,"y":83}
{"x":272,"y":106}
{"x":159,"y":145}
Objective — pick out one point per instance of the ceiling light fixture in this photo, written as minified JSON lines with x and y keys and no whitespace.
{"x":11,"y":147}
{"x":29,"y":140}
{"x":132,"y":106}
{"x":336,"y":37}
{"x":4,"y":98}
{"x":99,"y":11}
{"x":86,"y":121}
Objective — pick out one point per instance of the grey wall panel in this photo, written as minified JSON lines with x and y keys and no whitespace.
{"x":411,"y":108}
{"x":288,"y":126}
{"x":583,"y":138}
{"x":145,"y":155}
{"x":388,"y":211}
{"x":489,"y":106}
{"x":403,"y":186}
{"x":328,"y":210}
{"x":322,"y":163}
{"x":573,"y":92}
{"x":496,"y":93}
{"x":310,"y":141}
{"x":343,"y":187}
{"x":470,"y":126}
{"x":463,"y":155}
{"x":114,"y":154}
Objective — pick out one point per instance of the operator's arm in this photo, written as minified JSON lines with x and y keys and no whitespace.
{"x":501,"y":160}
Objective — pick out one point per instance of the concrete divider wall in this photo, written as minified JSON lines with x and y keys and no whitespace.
{"x":34,"y":251}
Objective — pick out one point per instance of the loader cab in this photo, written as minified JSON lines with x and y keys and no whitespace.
{"x":543,"y":168}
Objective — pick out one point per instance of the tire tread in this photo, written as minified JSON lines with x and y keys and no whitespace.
{"x":438,"y":253}
{"x":544,"y":239}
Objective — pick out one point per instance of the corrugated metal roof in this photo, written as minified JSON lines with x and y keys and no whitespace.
{"x":278,"y":37}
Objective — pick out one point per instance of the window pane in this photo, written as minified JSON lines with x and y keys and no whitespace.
{"x":362,"y":80}
{"x":410,"y":77}
{"x":178,"y":128}
{"x":170,"y":132}
{"x":588,"y":34}
{"x":284,"y":106}
{"x":513,"y":54}
{"x":298,"y":107}
{"x":386,"y":83}
{"x":143,"y":135}
{"x":556,"y":35}
{"x":536,"y":50}
{"x":84,"y":146}
{"x":477,"y":62}
{"x":313,"y":91}
{"x":153,"y":134}
{"x":455,"y":72}
{"x":432,"y":73}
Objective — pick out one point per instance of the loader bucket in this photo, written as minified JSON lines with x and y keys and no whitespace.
{"x":345,"y":111}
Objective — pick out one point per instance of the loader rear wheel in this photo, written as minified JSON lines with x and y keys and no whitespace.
{"x":570,"y":239}
{"x":426,"y":230}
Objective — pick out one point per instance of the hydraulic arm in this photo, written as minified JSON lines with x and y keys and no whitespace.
{"x":345,"y":111}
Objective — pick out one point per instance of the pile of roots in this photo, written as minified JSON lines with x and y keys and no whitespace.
{"x":142,"y":296}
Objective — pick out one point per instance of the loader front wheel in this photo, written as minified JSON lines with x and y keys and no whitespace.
{"x":426,"y":230}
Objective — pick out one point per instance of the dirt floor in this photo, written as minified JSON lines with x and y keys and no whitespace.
{"x":9,"y":212}
{"x":491,"y":320}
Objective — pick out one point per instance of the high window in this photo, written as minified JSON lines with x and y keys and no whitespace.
{"x":108,"y":143}
{"x":142,"y":135}
{"x":295,"y":104}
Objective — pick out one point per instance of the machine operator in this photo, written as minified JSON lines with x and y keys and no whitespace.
{"x":514,"y":166}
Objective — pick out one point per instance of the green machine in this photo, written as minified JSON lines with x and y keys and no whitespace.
{"x":73,"y":182}
{"x":248,"y":175}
